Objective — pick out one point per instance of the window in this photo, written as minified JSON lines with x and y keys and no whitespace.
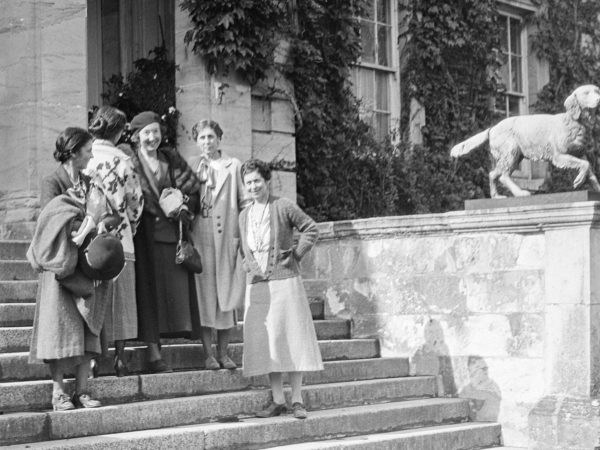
{"x":375,"y":78}
{"x":513,"y":42}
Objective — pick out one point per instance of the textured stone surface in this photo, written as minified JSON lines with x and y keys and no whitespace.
{"x":13,"y":250}
{"x":16,"y":314}
{"x":18,"y":291}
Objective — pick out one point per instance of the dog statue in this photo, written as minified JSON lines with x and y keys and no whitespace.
{"x":539,"y":137}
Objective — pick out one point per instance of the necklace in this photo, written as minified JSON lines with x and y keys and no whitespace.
{"x":256,"y":224}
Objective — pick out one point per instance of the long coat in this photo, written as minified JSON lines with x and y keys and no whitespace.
{"x":228,"y":199}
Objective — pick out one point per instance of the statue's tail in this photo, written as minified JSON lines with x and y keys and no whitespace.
{"x":470,"y":144}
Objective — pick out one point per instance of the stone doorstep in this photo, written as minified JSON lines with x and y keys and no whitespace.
{"x":15,"y":366}
{"x":35,"y":395}
{"x":18,"y":291}
{"x":16,"y":315}
{"x":17,"y":231}
{"x":15,"y":338}
{"x":250,"y":432}
{"x":468,"y":435}
{"x":17,"y":271}
{"x":442,"y":437}
{"x":13,"y":250}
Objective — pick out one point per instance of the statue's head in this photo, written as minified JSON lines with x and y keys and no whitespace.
{"x":586,"y":97}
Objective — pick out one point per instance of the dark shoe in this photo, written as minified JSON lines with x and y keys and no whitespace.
{"x":159,"y":366}
{"x":61,"y":402}
{"x":120,"y":367}
{"x":299,"y":411}
{"x":227,"y":363}
{"x":211,"y":363}
{"x":85,"y":401}
{"x":274,"y":409}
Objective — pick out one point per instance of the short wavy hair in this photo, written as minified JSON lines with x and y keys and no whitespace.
{"x":206,"y":123}
{"x":256,"y":165}
{"x":69,"y":142}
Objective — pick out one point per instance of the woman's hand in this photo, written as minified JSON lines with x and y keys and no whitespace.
{"x":86,"y":227}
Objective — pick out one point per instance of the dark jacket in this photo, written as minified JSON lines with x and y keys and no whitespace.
{"x":57,"y":183}
{"x":283,"y":254}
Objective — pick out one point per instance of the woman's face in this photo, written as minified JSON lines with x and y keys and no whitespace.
{"x":257,"y":186}
{"x":81,"y":158}
{"x":150,"y":137}
{"x":208,"y":141}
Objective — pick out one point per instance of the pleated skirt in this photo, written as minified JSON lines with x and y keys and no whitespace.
{"x":279,"y":334}
{"x":121,"y":320}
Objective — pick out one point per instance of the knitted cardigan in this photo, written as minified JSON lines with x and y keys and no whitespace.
{"x":284,"y":256}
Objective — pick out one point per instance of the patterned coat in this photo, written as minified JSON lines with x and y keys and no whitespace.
{"x":122,"y":187}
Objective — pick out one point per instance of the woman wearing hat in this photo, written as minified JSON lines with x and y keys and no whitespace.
{"x":166,"y":294}
{"x":122,"y":188}
{"x":61,"y":337}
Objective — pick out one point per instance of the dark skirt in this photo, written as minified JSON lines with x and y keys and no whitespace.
{"x":165,"y":292}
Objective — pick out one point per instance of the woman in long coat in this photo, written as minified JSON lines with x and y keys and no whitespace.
{"x":122,"y":187}
{"x":165,"y":292}
{"x":221,"y":284}
{"x":61,"y":337}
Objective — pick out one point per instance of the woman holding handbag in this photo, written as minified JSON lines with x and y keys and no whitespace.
{"x":124,"y":193}
{"x":221,"y":284}
{"x":166,"y":293}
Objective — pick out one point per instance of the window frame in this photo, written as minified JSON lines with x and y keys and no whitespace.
{"x":392,"y":73}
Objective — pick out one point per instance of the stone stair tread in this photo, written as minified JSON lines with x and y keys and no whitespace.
{"x":18,"y":291}
{"x":14,"y":250}
{"x":35,"y":395}
{"x":15,"y":337}
{"x":15,"y":366}
{"x":467,"y":435}
{"x":250,"y":432}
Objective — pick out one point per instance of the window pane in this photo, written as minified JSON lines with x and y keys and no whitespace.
{"x":516,"y":78}
{"x":368,"y":41}
{"x":504,"y":71}
{"x":513,"y":105}
{"x":515,"y":37}
{"x":370,"y":11}
{"x":367,"y":89}
{"x":504,"y":35}
{"x":384,"y":47}
{"x":383,"y":13}
{"x":382,"y":86}
{"x":381,"y":125}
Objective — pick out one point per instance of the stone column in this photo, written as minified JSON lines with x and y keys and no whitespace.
{"x":43,"y":74}
{"x":568,"y":416}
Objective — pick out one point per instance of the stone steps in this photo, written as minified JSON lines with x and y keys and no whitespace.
{"x":15,"y":366}
{"x":17,"y":231}
{"x":17,"y":338}
{"x":18,"y":291}
{"x":212,"y":420}
{"x":13,"y":250}
{"x":35,"y":395}
{"x":16,"y":315}
{"x":17,"y":271}
{"x":441,"y":437}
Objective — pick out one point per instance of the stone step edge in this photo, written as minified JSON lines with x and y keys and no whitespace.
{"x":22,"y":396}
{"x":424,"y":437}
{"x":232,"y":432}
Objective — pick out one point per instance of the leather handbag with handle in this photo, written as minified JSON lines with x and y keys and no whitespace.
{"x":186,"y":254}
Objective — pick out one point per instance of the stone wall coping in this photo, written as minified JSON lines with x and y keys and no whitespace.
{"x":515,"y":219}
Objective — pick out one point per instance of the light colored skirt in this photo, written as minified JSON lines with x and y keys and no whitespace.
{"x":211,"y":314}
{"x":120,"y":322}
{"x":279,"y":334}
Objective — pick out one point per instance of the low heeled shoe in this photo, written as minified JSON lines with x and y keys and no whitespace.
{"x":211,"y":363}
{"x":84,"y":400}
{"x":61,"y":402}
{"x":274,"y":409}
{"x":299,"y":411}
{"x":227,"y":363}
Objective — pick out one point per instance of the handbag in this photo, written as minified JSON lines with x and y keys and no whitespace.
{"x":171,"y":201}
{"x":186,"y":254}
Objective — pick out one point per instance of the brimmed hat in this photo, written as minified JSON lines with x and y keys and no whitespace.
{"x":102,"y":258}
{"x":143,"y":119}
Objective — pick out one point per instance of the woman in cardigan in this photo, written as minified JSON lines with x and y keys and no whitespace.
{"x":279,"y":335}
{"x":166,"y":294}
{"x":221,"y":284}
{"x":61,"y":338}
{"x":122,"y":188}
